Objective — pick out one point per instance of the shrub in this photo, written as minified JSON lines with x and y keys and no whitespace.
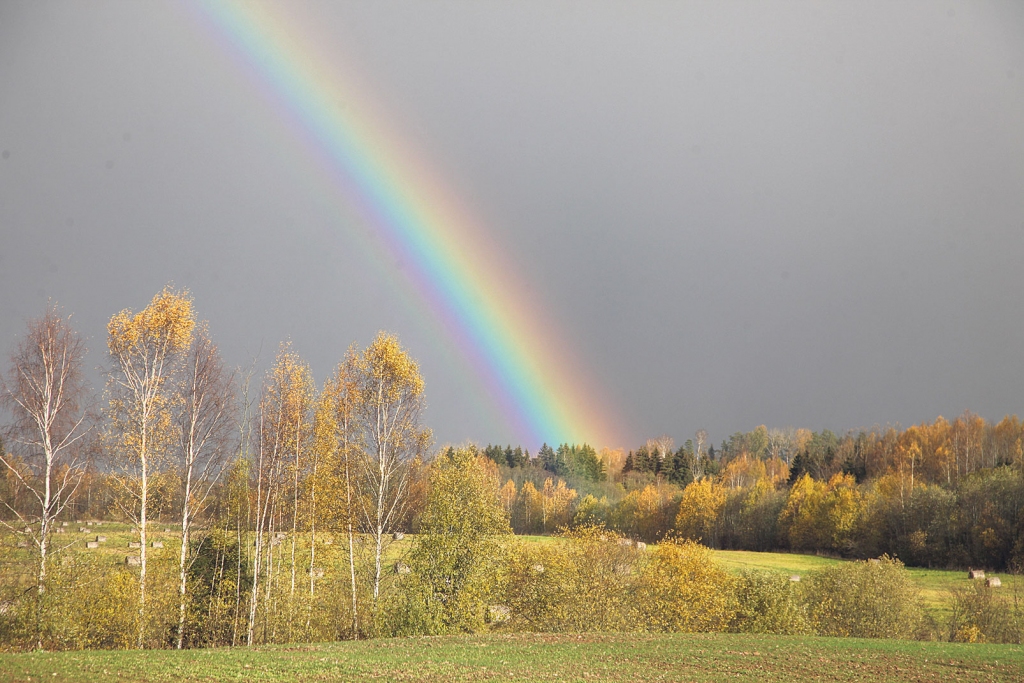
{"x":579,"y":583}
{"x":680,"y":588}
{"x":865,"y":600}
{"x":980,"y":615}
{"x":768,"y":602}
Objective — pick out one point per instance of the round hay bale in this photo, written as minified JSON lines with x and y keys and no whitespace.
{"x":498,"y":614}
{"x":993,"y":582}
{"x":975,"y":574}
{"x":398,"y":535}
{"x":640,"y":545}
{"x":795,"y":578}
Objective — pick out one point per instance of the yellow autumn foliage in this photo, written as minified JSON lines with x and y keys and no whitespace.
{"x":700,"y":511}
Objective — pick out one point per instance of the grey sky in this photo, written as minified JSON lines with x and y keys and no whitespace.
{"x":800,"y":214}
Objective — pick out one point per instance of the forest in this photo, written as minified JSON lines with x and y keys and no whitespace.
{"x":944,"y":494}
{"x":268,"y":508}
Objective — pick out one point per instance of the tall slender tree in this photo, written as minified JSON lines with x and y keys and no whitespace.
{"x":285,"y":428}
{"x":147,"y":349}
{"x":205,"y":418}
{"x":388,"y":414}
{"x":46,"y":395}
{"x":339,"y":406}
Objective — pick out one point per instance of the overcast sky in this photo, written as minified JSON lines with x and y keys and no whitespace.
{"x":806,"y":214}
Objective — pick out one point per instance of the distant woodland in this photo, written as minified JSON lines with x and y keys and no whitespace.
{"x":944,"y":494}
{"x":269,"y":507}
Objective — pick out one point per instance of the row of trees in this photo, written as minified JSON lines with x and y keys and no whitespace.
{"x":570,"y":461}
{"x":181,"y":437}
{"x":947,"y":493}
{"x":466,"y":572}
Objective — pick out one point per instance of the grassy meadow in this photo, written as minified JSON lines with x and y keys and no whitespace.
{"x":537,"y":657}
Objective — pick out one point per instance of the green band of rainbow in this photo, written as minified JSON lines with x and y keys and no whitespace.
{"x":527,"y":370}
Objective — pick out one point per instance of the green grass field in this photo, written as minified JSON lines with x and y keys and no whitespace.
{"x":602,"y":657}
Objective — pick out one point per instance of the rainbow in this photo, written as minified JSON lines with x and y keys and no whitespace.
{"x":530,"y":373}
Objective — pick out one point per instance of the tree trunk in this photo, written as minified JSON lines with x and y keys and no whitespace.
{"x":142,"y":537}
{"x":183,"y":557}
{"x":351,"y":549}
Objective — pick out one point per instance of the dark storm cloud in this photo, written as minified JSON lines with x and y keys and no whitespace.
{"x":793,"y":214}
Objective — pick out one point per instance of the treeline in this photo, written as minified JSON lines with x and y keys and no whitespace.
{"x":940,"y":494}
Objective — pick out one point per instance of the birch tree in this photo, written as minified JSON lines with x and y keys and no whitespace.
{"x":205,"y":419}
{"x":339,"y":409}
{"x":46,"y":395}
{"x":284,"y":415}
{"x":146,"y":348}
{"x":388,"y":414}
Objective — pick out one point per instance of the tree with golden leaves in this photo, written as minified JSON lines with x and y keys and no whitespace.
{"x":284,"y":435}
{"x":388,"y":414}
{"x":556,"y":500}
{"x":147,"y":348}
{"x":336,"y":422}
{"x":798,"y":520}
{"x":700,"y":512}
